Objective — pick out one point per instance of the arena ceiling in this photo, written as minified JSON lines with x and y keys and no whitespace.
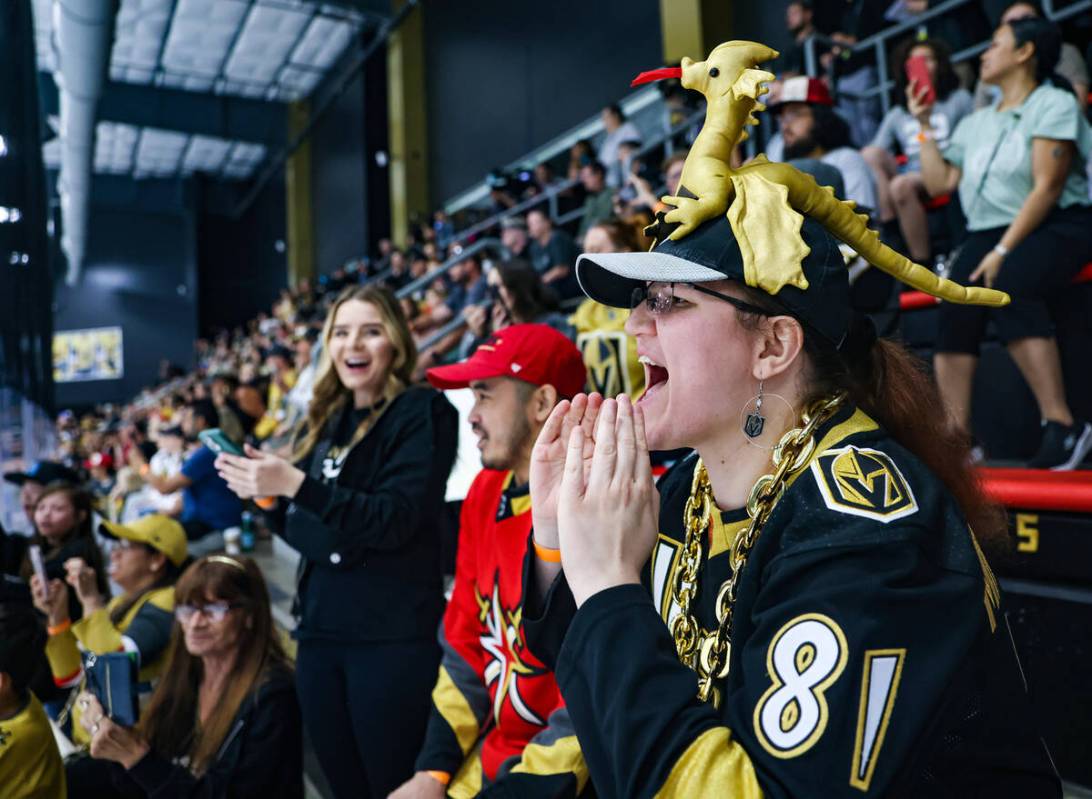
{"x":201,"y":85}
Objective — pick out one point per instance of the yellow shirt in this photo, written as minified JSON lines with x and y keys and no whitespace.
{"x":609,"y":354}
{"x":30,"y":764}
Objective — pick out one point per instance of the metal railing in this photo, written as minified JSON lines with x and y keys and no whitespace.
{"x":423,"y":281}
{"x":550,"y":196}
{"x":877,"y":44}
{"x":631,"y":104}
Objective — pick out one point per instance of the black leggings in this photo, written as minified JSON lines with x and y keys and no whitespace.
{"x":1036,"y":270}
{"x":365,"y":707}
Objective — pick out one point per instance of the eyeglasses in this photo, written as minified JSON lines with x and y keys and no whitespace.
{"x":659,"y":298}
{"x":215,"y":612}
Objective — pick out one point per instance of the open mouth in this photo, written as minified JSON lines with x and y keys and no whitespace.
{"x":655,"y":376}
{"x":357,"y":364}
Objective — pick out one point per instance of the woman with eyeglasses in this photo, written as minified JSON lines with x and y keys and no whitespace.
{"x":224,"y":719}
{"x":803,"y":607}
{"x":145,"y":560}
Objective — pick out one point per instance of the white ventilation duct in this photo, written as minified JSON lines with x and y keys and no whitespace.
{"x":84,"y":34}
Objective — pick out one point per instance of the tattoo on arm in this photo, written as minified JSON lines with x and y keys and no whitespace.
{"x":1057,"y":152}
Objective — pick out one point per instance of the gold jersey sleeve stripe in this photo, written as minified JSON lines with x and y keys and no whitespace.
{"x":456,"y":711}
{"x":714,"y":765}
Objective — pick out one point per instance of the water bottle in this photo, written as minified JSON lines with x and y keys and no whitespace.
{"x":246,"y":540}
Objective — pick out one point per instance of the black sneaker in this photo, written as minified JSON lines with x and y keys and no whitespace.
{"x":1062,"y":447}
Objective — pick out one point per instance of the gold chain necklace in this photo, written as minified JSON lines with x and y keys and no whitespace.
{"x":709,"y":655}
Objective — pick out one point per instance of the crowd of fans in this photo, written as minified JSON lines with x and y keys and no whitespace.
{"x":294,"y":392}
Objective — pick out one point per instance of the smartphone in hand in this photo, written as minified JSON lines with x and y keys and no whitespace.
{"x":36,"y":562}
{"x":219,"y":443}
{"x":917,"y":71}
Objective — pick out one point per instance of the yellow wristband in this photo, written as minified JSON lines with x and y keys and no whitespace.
{"x":64,"y":626}
{"x":441,"y":777}
{"x":546,"y":553}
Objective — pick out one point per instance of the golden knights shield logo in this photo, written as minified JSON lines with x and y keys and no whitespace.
{"x":863,"y":482}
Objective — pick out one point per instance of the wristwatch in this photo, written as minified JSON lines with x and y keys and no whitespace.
{"x":1001,"y":249}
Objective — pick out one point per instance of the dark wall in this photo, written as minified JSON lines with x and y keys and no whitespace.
{"x":140,"y":273}
{"x":338,"y":181}
{"x":243,"y":263}
{"x":504,"y":77}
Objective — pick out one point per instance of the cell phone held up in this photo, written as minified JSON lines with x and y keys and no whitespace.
{"x":219,"y":443}
{"x":917,"y":73}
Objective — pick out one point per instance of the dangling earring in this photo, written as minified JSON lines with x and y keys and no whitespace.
{"x":755,"y":422}
{"x":752,"y":421}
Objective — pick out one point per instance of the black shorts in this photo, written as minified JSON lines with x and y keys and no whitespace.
{"x":1036,"y":270}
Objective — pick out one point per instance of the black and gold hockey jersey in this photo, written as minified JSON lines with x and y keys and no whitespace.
{"x":870,"y":656}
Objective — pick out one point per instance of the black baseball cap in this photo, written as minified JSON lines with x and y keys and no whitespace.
{"x":710,"y":253}
{"x":44,"y":472}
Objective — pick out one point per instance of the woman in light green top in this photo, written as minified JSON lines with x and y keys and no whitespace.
{"x":1020,"y":170}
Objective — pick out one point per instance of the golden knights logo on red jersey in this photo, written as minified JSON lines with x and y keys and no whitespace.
{"x":503,"y":644}
{"x":863,"y":482}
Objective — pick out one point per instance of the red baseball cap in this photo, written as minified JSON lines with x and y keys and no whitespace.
{"x":803,"y":89}
{"x":536,"y":354}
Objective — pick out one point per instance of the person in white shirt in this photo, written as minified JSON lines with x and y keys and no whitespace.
{"x":618,"y":130}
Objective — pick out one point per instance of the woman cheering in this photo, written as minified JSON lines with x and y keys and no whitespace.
{"x":365,"y":499}
{"x":805,"y":609}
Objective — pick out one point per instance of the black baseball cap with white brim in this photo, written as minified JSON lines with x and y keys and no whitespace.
{"x":711,"y":253}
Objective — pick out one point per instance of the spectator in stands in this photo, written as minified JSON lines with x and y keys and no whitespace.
{"x":224,"y":720}
{"x":609,"y":354}
{"x":365,"y":499}
{"x":514,"y":236}
{"x":599,"y":201}
{"x":399,"y":275}
{"x":519,"y":297}
{"x":34,"y":481}
{"x":552,"y":253}
{"x":580,"y":155}
{"x":811,"y":128}
{"x":467,"y":287}
{"x":282,"y":376}
{"x":618,"y":129}
{"x":1020,"y":170}
{"x":145,"y":561}
{"x":900,"y":191}
{"x":799,"y":22}
{"x":208,"y":505}
{"x":30,"y":764}
{"x":1071,"y":64}
{"x":62,"y":520}
{"x":517,"y":379}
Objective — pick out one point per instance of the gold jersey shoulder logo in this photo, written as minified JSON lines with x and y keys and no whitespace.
{"x":863,"y":482}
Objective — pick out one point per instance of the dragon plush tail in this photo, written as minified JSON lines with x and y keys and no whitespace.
{"x":838,"y":216}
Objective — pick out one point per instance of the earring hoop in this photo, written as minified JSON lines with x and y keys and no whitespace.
{"x":752,"y":420}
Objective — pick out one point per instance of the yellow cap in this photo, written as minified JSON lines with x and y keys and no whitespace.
{"x":157,"y":531}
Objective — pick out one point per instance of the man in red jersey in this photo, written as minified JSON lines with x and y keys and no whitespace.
{"x":498,"y":724}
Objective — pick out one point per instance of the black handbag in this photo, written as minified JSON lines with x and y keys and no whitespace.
{"x":111,"y":677}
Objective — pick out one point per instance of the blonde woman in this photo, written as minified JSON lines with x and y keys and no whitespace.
{"x":363,"y":503}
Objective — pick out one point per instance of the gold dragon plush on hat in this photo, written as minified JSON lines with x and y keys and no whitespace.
{"x":766,"y":202}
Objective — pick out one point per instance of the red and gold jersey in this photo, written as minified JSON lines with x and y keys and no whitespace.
{"x":497,"y":713}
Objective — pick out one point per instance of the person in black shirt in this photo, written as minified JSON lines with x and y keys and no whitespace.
{"x":805,"y":608}
{"x":363,"y":504}
{"x":553,"y":254}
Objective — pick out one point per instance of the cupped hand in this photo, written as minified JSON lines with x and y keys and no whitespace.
{"x":548,"y":460}
{"x":259,"y":474}
{"x":607,"y":514}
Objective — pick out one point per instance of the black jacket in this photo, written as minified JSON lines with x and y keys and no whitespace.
{"x":370,"y":537}
{"x":262,"y":754}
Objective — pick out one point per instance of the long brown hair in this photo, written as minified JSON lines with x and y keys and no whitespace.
{"x":894,"y":387}
{"x":170,"y":725}
{"x":330,"y":396}
{"x":82,"y":504}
